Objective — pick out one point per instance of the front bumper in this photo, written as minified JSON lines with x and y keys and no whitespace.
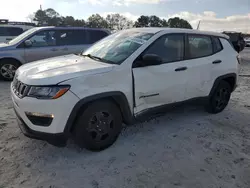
{"x":60,"y":108}
{"x":59,"y":139}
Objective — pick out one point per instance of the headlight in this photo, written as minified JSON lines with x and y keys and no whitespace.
{"x":47,"y":92}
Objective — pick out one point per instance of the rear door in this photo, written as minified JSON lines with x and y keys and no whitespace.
{"x":200,"y":60}
{"x":71,"y":41}
{"x":44,"y":45}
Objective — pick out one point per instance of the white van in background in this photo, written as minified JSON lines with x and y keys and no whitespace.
{"x":9,"y":30}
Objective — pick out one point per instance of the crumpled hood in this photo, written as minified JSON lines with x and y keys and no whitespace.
{"x":54,"y":70}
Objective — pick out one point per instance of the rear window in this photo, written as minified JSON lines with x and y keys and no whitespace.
{"x":95,"y":35}
{"x":10,"y":31}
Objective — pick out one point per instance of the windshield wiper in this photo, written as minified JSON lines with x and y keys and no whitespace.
{"x":92,"y":57}
{"x":98,"y":58}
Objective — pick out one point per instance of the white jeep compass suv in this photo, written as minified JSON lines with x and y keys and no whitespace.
{"x":122,"y":78}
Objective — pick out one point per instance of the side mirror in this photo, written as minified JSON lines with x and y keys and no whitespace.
{"x":151,"y":60}
{"x":28,"y":43}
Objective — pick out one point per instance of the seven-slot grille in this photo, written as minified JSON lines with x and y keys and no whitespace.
{"x":19,"y":88}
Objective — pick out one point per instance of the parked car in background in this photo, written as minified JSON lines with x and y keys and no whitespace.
{"x":45,"y":42}
{"x":237,"y":40}
{"x":247,"y":40}
{"x":126,"y":76}
{"x":9,"y":30}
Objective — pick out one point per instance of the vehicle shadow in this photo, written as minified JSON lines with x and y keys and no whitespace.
{"x":169,"y":122}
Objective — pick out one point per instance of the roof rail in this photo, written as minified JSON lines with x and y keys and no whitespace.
{"x":230,"y":32}
{"x":5,"y":21}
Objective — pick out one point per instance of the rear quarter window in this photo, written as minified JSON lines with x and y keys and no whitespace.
{"x":10,"y":31}
{"x":217,"y":45}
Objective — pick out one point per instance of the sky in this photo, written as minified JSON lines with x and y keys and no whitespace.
{"x":215,"y":15}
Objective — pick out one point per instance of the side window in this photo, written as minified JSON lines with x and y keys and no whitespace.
{"x":10,"y":31}
{"x":217,"y":44}
{"x":14,"y":31}
{"x":2,"y":31}
{"x":43,"y":39}
{"x":169,"y":47}
{"x":71,"y":37}
{"x":199,"y":46}
{"x":95,"y":35}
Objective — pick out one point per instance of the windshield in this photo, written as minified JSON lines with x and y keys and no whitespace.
{"x":22,"y":36}
{"x":119,"y":46}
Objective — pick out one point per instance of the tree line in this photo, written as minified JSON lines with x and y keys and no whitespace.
{"x":50,"y":17}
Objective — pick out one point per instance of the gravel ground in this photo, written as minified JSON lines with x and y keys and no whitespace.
{"x":186,"y":148}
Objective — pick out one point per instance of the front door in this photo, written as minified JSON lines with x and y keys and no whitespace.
{"x":44,"y":45}
{"x":165,"y":83}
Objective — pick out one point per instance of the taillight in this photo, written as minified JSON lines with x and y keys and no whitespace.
{"x":238,"y":59}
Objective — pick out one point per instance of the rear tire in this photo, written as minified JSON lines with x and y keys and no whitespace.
{"x":220,"y":98}
{"x":8,"y":69}
{"x":99,"y":126}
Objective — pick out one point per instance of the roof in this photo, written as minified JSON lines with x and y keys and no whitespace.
{"x":70,"y":27}
{"x":178,"y":30}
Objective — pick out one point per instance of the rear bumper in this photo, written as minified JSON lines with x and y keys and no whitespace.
{"x":59,"y":140}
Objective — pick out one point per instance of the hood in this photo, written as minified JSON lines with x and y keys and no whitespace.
{"x":54,"y":70}
{"x":4,"y":46}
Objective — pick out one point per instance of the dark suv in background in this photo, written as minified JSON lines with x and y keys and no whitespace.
{"x":237,"y":40}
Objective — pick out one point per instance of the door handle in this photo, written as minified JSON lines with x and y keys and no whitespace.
{"x":8,"y":38}
{"x":217,"y":61}
{"x":181,"y":69}
{"x":53,"y":49}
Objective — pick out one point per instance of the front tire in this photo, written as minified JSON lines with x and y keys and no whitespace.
{"x":220,"y":98}
{"x":99,"y":126}
{"x":8,"y":69}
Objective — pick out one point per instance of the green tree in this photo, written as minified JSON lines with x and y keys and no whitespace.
{"x":164,"y":23}
{"x":179,"y":23}
{"x":40,"y":17}
{"x":96,"y":21}
{"x":150,"y":21}
{"x":142,"y":21}
{"x":79,"y":23}
{"x":155,"y":21}
{"x":118,"y":22}
{"x":68,"y":21}
{"x":54,"y":18}
{"x":48,"y":17}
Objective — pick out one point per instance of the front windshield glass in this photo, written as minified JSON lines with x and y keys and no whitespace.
{"x":22,"y":36}
{"x":119,"y":46}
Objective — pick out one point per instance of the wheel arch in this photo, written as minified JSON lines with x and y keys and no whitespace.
{"x":11,"y":59}
{"x":230,"y":78}
{"x":117,"y":97}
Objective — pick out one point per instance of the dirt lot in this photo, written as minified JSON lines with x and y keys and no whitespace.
{"x":186,"y":148}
